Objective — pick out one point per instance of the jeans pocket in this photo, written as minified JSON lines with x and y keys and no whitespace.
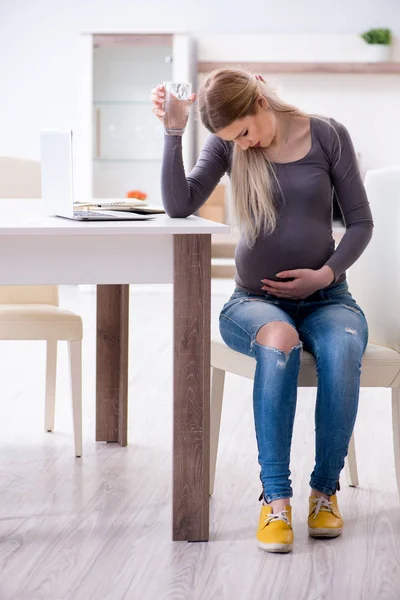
{"x":236,"y":297}
{"x":337,"y":290}
{"x":245,"y":298}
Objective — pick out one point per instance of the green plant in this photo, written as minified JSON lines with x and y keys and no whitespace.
{"x":378,"y":36}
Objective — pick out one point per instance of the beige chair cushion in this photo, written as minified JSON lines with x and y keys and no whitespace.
{"x":380,"y":365}
{"x":29,"y":294}
{"x":19,"y":178}
{"x":38,"y":322}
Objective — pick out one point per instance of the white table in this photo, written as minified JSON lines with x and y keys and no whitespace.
{"x":48,"y":250}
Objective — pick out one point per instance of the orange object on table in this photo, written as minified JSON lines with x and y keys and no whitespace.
{"x":137,"y":194}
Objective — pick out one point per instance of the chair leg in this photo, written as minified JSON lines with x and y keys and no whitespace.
{"x":396,"y":433}
{"x":351,"y":464}
{"x":217,"y":393}
{"x":75,"y":362}
{"x":51,"y":372}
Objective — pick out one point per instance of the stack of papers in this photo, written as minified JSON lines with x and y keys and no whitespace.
{"x":129,"y":205}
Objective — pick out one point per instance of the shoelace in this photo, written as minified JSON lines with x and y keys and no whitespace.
{"x":321,"y":504}
{"x":280,"y":516}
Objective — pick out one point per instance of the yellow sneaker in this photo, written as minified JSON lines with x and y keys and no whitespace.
{"x":274,"y":533}
{"x":324,"y":518}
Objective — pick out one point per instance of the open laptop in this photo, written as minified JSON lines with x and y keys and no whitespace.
{"x":58,"y":186}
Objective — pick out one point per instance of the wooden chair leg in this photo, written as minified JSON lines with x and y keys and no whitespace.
{"x":351,"y":464}
{"x":75,"y":362}
{"x":51,"y":373}
{"x":396,"y":433}
{"x":217,"y":393}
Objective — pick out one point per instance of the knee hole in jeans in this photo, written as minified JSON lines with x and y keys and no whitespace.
{"x":279,"y":335}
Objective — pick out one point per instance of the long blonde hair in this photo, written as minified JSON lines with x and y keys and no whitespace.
{"x":227,"y":95}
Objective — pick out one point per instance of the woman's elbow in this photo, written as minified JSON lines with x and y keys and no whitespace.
{"x":177,"y":213}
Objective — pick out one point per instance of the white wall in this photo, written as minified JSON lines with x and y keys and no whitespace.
{"x":367,"y":105}
{"x":39,"y":49}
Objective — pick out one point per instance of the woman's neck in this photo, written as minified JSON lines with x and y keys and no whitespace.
{"x":282,"y":133}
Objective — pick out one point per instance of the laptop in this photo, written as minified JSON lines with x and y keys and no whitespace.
{"x":57,"y":182}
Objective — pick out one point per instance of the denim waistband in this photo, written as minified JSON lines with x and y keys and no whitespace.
{"x":336,"y":286}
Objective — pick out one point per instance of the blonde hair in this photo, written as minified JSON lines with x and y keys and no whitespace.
{"x":225,"y":96}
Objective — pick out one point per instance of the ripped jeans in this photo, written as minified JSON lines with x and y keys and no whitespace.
{"x":333,"y":328}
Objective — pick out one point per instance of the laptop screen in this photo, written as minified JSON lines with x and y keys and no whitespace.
{"x":57,"y":177}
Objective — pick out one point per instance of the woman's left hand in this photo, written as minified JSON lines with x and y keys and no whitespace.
{"x":305,"y":283}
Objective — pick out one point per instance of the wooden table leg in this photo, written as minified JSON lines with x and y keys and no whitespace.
{"x":112,"y":363}
{"x":191,"y":443}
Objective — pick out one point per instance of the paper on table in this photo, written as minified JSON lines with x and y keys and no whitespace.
{"x":145,"y":210}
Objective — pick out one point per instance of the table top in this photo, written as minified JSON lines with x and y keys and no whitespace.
{"x":25,"y":217}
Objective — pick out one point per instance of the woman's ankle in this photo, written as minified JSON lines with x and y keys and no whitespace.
{"x":279,"y":505}
{"x":318,"y":494}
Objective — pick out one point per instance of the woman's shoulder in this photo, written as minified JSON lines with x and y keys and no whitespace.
{"x":328,"y":129}
{"x":330,"y":134}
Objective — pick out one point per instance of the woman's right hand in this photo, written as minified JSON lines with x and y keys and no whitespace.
{"x":158,"y":99}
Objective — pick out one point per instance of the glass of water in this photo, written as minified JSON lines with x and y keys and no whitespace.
{"x":176,"y":106}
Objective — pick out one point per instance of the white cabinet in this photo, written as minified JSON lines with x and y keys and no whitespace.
{"x":120,"y":140}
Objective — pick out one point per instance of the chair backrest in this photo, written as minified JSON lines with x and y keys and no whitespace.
{"x":29,"y":294}
{"x":19,"y":178}
{"x":374,"y":280}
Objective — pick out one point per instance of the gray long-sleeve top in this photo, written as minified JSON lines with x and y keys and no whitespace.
{"x":303,"y":235}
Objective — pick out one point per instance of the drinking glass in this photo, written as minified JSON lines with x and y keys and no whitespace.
{"x":176,"y":106}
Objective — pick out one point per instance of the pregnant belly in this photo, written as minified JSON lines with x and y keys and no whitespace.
{"x":264,"y":260}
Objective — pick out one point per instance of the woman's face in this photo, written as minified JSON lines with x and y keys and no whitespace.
{"x":254,"y":130}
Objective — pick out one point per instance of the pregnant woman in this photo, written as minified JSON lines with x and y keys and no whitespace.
{"x":291,"y":290}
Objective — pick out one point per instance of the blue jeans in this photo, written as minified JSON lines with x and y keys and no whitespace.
{"x":331,"y":326}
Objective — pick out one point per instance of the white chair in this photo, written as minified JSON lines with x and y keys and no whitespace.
{"x":374,"y":281}
{"x":19,"y":178}
{"x":33,"y":313}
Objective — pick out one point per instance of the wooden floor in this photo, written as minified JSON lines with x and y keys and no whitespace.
{"x":100,"y":527}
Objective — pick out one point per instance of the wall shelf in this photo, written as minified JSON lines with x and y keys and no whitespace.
{"x":122,"y":103}
{"x":356,"y":68}
{"x":127,"y":160}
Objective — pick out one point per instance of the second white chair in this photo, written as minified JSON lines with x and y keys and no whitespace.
{"x":375,"y":284}
{"x":32,"y":312}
